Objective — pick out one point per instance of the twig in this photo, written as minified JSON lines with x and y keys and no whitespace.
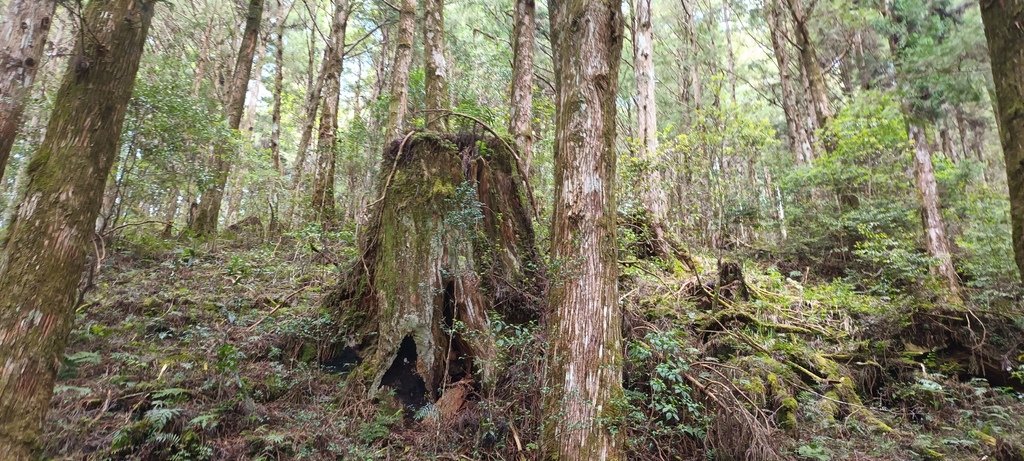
{"x":391,"y":175}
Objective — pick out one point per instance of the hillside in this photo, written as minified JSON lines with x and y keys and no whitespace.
{"x":223,"y":351}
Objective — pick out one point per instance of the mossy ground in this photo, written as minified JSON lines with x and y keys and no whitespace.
{"x":196,"y":352}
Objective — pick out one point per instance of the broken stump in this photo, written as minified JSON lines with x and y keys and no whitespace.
{"x":449,"y":244}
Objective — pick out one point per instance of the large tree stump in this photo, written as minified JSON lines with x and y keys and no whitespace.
{"x":449,"y":244}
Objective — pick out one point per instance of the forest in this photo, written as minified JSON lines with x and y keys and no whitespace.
{"x":708,"y":230}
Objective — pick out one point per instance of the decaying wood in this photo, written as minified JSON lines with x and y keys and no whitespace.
{"x":449,"y":245}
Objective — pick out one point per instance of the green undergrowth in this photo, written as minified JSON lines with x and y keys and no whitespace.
{"x":765,"y":367}
{"x":201,"y":351}
{"x":220,"y":350}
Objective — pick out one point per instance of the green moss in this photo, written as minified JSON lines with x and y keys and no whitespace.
{"x":150,"y":303}
{"x":827,"y":367}
{"x":829,"y":406}
{"x":787,"y":414}
{"x":442,"y":188}
{"x":307,"y":353}
{"x":983,"y":437}
{"x":755,"y":386}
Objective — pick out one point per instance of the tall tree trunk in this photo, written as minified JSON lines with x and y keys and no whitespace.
{"x":818,"y":90}
{"x":248,"y":124}
{"x":1003,"y":20}
{"x":961,"y":129}
{"x":696,"y":84}
{"x":334,"y":55}
{"x":946,"y":142}
{"x":170,"y":212}
{"x":729,"y":50}
{"x":313,"y":92}
{"x":807,"y":102}
{"x":23,"y":32}
{"x":652,"y":193}
{"x":275,"y":112}
{"x":398,"y":106}
{"x":15,"y":191}
{"x":978,"y":147}
{"x":800,"y":139}
{"x":235,"y":192}
{"x":690,"y":83}
{"x":202,"y":56}
{"x":584,"y":375}
{"x":46,"y":244}
{"x":520,"y":121}
{"x":260,"y":57}
{"x":205,"y":222}
{"x":382,"y":61}
{"x":936,"y":242}
{"x":110,"y":193}
{"x":435,"y":64}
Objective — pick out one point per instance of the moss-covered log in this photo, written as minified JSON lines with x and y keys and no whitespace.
{"x":449,"y":243}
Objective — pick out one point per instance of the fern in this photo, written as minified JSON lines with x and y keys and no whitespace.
{"x":165,"y":438}
{"x":159,"y":417}
{"x":274,"y":439}
{"x":79,"y":358}
{"x":204,"y":421}
{"x":122,"y":439}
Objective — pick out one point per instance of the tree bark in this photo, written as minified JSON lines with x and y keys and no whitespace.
{"x":435,"y":65}
{"x":398,"y":105}
{"x":946,"y":142}
{"x":818,"y":89}
{"x":652,"y":193}
{"x":729,"y":50}
{"x":205,"y":222}
{"x":275,"y":112}
{"x":260,"y":58}
{"x":584,"y":375}
{"x":520,"y":121}
{"x":860,"y":58}
{"x":313,"y":92}
{"x":170,"y":212}
{"x":235,"y":190}
{"x":46,"y":244}
{"x":334,"y":54}
{"x":252,"y":98}
{"x":1003,"y":20}
{"x":936,"y":242}
{"x":693,"y":48}
{"x":799,"y":137}
{"x":449,"y":242}
{"x":23,"y":32}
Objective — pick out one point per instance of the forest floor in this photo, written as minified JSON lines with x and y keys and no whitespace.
{"x":186,"y":351}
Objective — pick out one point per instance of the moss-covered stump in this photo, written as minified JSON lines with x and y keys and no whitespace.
{"x":450,"y":243}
